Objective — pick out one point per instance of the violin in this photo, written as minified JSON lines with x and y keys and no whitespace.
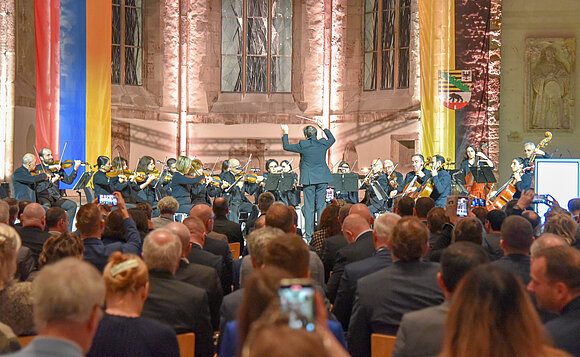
{"x":393,"y":180}
{"x":67,"y":164}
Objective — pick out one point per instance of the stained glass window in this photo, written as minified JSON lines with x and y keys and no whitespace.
{"x":127,"y":43}
{"x":256,"y":46}
{"x":387,"y":37}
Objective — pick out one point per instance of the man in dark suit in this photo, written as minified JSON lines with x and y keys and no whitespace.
{"x":196,"y":274}
{"x":314,"y":172}
{"x":175,"y":303}
{"x":215,"y":246}
{"x":382,"y":231}
{"x":32,"y":232}
{"x":376,"y":176}
{"x":333,"y":244}
{"x":222,"y":224}
{"x":421,"y":332}
{"x":196,"y":241}
{"x":441,"y":181}
{"x":23,"y":181}
{"x":357,"y":231}
{"x":419,"y":174}
{"x":556,"y":285}
{"x":516,"y":238}
{"x":407,"y":285}
{"x":491,"y":239}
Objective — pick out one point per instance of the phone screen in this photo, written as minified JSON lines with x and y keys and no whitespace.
{"x":478,"y":202}
{"x":462,"y":205}
{"x":297,"y":301}
{"x":108,"y":199}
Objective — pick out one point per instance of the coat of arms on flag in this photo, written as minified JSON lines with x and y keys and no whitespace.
{"x":455,"y":88}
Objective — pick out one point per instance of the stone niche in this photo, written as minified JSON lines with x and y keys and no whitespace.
{"x":550,"y":84}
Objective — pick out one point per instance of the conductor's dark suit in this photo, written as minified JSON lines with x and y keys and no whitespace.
{"x":314,"y":174}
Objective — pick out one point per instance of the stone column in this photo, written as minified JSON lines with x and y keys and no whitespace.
{"x":7,"y":80}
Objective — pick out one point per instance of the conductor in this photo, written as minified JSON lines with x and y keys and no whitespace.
{"x":314,"y":172}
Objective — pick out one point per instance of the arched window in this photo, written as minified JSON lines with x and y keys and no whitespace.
{"x":256,"y":51}
{"x":387,"y":36}
{"x":127,"y":43}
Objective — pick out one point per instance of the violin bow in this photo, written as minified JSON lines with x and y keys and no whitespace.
{"x":62,"y":153}
{"x":41,"y":162}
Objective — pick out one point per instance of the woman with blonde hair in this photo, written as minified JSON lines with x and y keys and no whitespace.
{"x":122,"y":331}
{"x":563,"y":225}
{"x":182,"y":182}
{"x":15,"y":297}
{"x":491,"y":315}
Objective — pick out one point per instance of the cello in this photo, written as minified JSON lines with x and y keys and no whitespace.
{"x":477,"y":190}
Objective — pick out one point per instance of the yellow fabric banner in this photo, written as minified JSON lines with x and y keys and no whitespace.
{"x":437,"y":52}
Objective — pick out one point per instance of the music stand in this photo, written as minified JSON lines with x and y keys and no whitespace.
{"x":345,"y":182}
{"x":82,"y":184}
{"x":482,"y":174}
{"x":286,"y":182}
{"x":272,"y":182}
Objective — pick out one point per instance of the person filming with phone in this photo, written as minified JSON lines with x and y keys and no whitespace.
{"x":91,"y":224}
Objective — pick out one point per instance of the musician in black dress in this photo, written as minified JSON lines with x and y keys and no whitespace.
{"x":473,"y":158}
{"x":202,"y":192}
{"x":441,"y":181}
{"x":523,"y":178}
{"x":104,"y":185}
{"x":129,"y":191}
{"x":376,"y":176}
{"x":182,"y":182}
{"x":419,"y":174}
{"x":350,"y":197}
{"x":235,"y":190}
{"x":272,"y":167}
{"x":290,"y":197}
{"x":147,"y":180}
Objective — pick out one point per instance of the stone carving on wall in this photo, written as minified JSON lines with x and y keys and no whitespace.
{"x":550,"y":83}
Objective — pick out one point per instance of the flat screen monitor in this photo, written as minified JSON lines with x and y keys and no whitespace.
{"x":559,"y":178}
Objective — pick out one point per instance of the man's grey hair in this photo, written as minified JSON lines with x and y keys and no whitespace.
{"x":168,"y":204}
{"x":27,"y":158}
{"x":162,"y":250}
{"x":258,"y":239}
{"x":385,"y":224}
{"x":67,"y":290}
{"x":546,"y":240}
{"x":529,"y":143}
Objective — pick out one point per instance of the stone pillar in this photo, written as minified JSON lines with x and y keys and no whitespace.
{"x":7,"y":80}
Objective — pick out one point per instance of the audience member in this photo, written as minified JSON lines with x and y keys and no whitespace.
{"x":440,"y":232}
{"x":13,"y":210}
{"x":328,"y":226}
{"x":407,"y":285}
{"x":334,"y":244}
{"x":574,"y":207}
{"x":492,"y":315}
{"x":404,"y":206}
{"x":167,"y":207}
{"x":15,"y":297}
{"x":141,"y":220}
{"x":90,"y":225}
{"x":60,"y":246}
{"x":57,"y":220}
{"x":223,"y":225}
{"x":382,"y":232}
{"x":148,"y":209}
{"x":4,"y":212}
{"x":175,"y":303}
{"x":21,"y":206}
{"x":215,"y":245}
{"x":563,"y":225}
{"x":32,"y":232}
{"x":421,"y":332}
{"x":468,"y":229}
{"x":25,"y":262}
{"x":555,"y":284}
{"x":422,"y":207}
{"x":68,"y":298}
{"x":196,"y":274}
{"x":535,"y":220}
{"x":494,"y":220}
{"x":546,"y":240}
{"x":123,"y":331}
{"x":265,"y":201}
{"x":516,"y":239}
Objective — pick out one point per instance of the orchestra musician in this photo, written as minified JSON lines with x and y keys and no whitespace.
{"x":441,"y":181}
{"x":522,"y":177}
{"x":103,"y":184}
{"x":166,"y":184}
{"x":272,"y":167}
{"x":181,"y":183}
{"x":394,"y":178}
{"x":419,"y":174}
{"x":48,"y":193}
{"x":314,"y":172}
{"x":146,"y":171}
{"x":235,"y":192}
{"x":290,"y":197}
{"x":350,"y":197}
{"x":131,"y":189}
{"x":474,"y":158}
{"x":529,"y":150}
{"x":377,"y":175}
{"x":24,"y":182}
{"x":201,"y":192}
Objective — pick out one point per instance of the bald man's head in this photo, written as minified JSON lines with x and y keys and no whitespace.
{"x":353,"y":226}
{"x":383,"y":229}
{"x":181,"y":231}
{"x":34,"y":216}
{"x":196,"y":230}
{"x":363,"y":211}
{"x":205,"y":213}
{"x":162,"y":250}
{"x":546,"y":240}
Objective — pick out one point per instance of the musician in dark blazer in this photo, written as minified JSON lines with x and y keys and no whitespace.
{"x":407,"y":285}
{"x":23,"y":181}
{"x":382,"y":231}
{"x":395,"y":180}
{"x":376,"y":204}
{"x":181,"y":185}
{"x":104,"y":185}
{"x":441,"y":181}
{"x":419,"y":174}
{"x":175,"y":303}
{"x":314,"y":172}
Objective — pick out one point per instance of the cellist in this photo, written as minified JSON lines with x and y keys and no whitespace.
{"x":418,"y":176}
{"x":474,"y":158}
{"x":441,"y":181}
{"x":519,"y":182}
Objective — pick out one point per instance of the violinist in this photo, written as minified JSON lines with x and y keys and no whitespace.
{"x":24,"y":181}
{"x":147,"y":176}
{"x":125,"y":176}
{"x":48,"y":193}
{"x":441,"y":181}
{"x":236,"y":195}
{"x":181,"y":183}
{"x":200,"y":192}
{"x":170,"y":167}
{"x":350,"y":197}
{"x":394,"y":178}
{"x":529,"y":150}
{"x":416,"y":177}
{"x":474,"y":158}
{"x":103,"y":184}
{"x":290,"y":197}
{"x":376,"y":175}
{"x":272,"y":167}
